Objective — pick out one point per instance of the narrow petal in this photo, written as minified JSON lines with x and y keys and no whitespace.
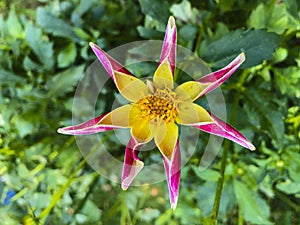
{"x":165,"y":137}
{"x":172,"y":168}
{"x":169,"y":45}
{"x":118,"y":118}
{"x":163,"y":76}
{"x":132,"y":164}
{"x":110,"y":64}
{"x":222,"y":129}
{"x":189,"y":90}
{"x":191,"y":113}
{"x":130,"y":87}
{"x":215,"y":79}
{"x":140,"y":127}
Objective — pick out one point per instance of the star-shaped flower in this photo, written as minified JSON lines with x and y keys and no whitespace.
{"x":156,"y":108}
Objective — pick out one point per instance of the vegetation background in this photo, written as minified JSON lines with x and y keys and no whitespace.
{"x":43,"y":54}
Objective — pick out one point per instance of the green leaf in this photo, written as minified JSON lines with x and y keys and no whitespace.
{"x":81,"y":33}
{"x":156,"y":9}
{"x":91,"y":211}
{"x":274,"y":18}
{"x":258,"y":45}
{"x":225,"y":5}
{"x":42,"y":48}
{"x":188,"y":32}
{"x":207,"y":174}
{"x":149,"y":214}
{"x":25,"y":123}
{"x":288,"y":80}
{"x":81,"y":8}
{"x":264,"y":113}
{"x":29,"y":65}
{"x":67,"y":56}
{"x":289,"y":187}
{"x":65,"y":81}
{"x":254,"y":209}
{"x":13,"y":24}
{"x":149,"y":33}
{"x":280,"y":55}
{"x":54,"y":25}
{"x":7,"y":77}
{"x":39,"y":200}
{"x":182,"y":11}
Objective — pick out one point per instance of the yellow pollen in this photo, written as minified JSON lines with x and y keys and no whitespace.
{"x":161,"y":104}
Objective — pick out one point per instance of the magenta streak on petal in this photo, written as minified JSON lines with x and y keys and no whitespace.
{"x":215,"y":79}
{"x":172,"y":168}
{"x":109,"y":63}
{"x":169,"y":45}
{"x":89,"y":127}
{"x":132,"y":164}
{"x":222,"y":129}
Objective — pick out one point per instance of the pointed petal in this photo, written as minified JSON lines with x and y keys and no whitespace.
{"x":169,"y":45}
{"x":130,"y":87}
{"x":189,"y":90}
{"x":165,"y":137}
{"x":191,"y":113}
{"x":132,"y":164}
{"x":118,"y":118}
{"x":123,"y":79}
{"x":163,"y":76}
{"x":172,"y":168}
{"x":110,"y":64}
{"x":222,"y":129}
{"x":215,"y":79}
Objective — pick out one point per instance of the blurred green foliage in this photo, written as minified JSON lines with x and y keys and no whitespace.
{"x":44,"y":52}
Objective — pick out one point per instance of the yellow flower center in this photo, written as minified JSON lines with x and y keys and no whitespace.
{"x":161,"y":104}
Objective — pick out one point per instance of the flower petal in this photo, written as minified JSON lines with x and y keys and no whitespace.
{"x":163,"y":76}
{"x":215,"y":79}
{"x":132,"y":164}
{"x":169,"y":45}
{"x":222,"y":129}
{"x":165,"y":137}
{"x":123,"y":79}
{"x":118,"y":118}
{"x":130,"y":87}
{"x":189,"y":90}
{"x":110,"y":64}
{"x":140,"y":128}
{"x":191,"y":113}
{"x":172,"y":168}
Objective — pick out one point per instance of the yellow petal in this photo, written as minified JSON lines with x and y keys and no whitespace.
{"x":118,"y":117}
{"x":191,"y":113}
{"x":163,"y":77}
{"x":130,"y":87}
{"x":141,"y":132}
{"x":165,"y":137}
{"x":189,"y":90}
{"x":140,"y":128}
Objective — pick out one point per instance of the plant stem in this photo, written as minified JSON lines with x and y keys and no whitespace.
{"x":214,"y":214}
{"x":199,"y":39}
{"x":227,"y":145}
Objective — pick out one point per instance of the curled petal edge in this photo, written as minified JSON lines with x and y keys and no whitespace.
{"x":132,"y":164}
{"x":222,"y":129}
{"x":90,"y":127}
{"x":213,"y":80}
{"x":172,"y":168}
